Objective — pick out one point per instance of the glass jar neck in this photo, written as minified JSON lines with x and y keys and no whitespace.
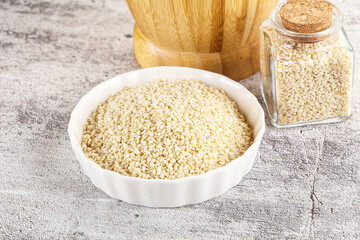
{"x":336,"y":24}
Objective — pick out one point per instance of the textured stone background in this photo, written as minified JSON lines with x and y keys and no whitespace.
{"x":305,"y":183}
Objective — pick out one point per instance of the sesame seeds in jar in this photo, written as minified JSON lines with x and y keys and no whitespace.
{"x":306,"y":75}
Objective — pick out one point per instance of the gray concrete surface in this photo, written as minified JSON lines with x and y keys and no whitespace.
{"x":305,"y":183}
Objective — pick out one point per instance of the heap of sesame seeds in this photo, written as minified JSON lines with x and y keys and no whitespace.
{"x":166,"y":130}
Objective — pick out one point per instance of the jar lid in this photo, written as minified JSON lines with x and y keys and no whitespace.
{"x":326,"y":30}
{"x":306,"y":16}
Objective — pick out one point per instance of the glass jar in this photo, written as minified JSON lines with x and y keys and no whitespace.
{"x":307,"y":78}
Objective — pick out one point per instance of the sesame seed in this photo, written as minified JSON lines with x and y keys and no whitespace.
{"x":166,"y":130}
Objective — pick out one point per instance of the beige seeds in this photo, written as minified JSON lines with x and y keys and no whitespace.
{"x":166,"y":130}
{"x":312,"y":80}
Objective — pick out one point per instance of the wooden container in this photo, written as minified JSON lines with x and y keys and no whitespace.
{"x":216,"y":35}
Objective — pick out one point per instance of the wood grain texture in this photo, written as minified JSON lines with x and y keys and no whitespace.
{"x":217,"y":35}
{"x":305,"y":183}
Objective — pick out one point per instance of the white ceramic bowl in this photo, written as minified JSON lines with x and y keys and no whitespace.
{"x":167,"y":193}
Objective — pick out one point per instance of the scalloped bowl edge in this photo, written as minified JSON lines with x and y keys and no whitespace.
{"x":167,"y":193}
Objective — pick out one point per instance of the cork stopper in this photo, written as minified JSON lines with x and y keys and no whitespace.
{"x":306,"y":16}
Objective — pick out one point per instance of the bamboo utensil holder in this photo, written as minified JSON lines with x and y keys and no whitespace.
{"x":216,"y":35}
